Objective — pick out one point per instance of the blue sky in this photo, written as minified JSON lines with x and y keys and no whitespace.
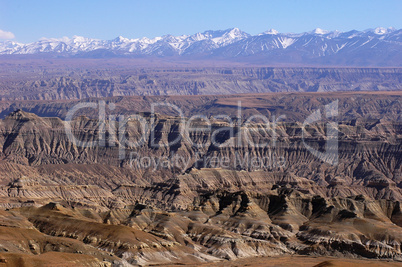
{"x":31,"y":20}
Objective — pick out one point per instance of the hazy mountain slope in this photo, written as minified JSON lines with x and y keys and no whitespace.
{"x":61,"y":79}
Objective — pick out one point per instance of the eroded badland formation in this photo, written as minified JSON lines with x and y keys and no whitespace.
{"x":61,"y":203}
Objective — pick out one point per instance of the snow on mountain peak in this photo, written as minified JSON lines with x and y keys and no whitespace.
{"x":382,"y":30}
{"x":199,"y":36}
{"x":122,"y":40}
{"x":229,"y":36}
{"x":206,"y":42}
{"x":62,"y":39}
{"x":319,"y":31}
{"x":80,"y":39}
{"x":235,"y":32}
{"x":270,"y":31}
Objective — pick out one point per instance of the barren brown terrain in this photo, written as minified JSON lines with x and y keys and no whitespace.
{"x":35,"y":78}
{"x":200,"y":134}
{"x":300,"y":261}
{"x":70,"y":205}
{"x":296,"y":106}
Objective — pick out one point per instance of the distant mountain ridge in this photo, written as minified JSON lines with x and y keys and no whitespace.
{"x":374,"y":47}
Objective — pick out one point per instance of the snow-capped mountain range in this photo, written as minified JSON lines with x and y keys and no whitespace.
{"x":379,"y":46}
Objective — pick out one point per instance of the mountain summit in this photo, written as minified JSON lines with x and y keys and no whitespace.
{"x":373,"y":47}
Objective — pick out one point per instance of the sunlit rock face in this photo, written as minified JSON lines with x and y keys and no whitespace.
{"x":108,"y":209}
